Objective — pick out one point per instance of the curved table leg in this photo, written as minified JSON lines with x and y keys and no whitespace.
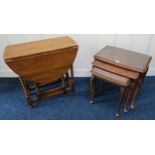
{"x":129,"y":94}
{"x":136,"y":90}
{"x":122,"y":95}
{"x":93,"y":88}
{"x":123,"y":91}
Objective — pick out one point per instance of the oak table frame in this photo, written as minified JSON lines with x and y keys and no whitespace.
{"x":43,"y":64}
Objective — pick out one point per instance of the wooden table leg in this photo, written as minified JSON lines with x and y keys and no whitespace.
{"x":122,"y":95}
{"x":127,"y":100}
{"x":71,"y":79}
{"x":137,"y":87}
{"x":37,"y":89}
{"x":34,"y":93}
{"x":129,"y":93}
{"x":26,"y":90}
{"x":142,"y":77}
{"x":93,"y":88}
{"x":63,"y":85}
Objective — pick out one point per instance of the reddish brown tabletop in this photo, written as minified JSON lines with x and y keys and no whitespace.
{"x":124,"y":58}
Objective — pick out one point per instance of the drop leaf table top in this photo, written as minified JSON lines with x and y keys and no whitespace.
{"x":42,"y":61}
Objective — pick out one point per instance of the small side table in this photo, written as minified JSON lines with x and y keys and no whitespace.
{"x":127,"y":64}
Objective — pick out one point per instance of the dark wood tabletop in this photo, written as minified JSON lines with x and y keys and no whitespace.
{"x":124,"y":58}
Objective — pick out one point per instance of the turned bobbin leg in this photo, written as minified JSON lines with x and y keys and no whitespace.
{"x":63,"y":85}
{"x":72,"y":82}
{"x":93,"y":88}
{"x":122,"y":95}
{"x":37,"y":90}
{"x":26,"y":90}
{"x":67,"y":76}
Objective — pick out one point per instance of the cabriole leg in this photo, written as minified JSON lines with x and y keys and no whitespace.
{"x":128,"y":97}
{"x":122,"y":95}
{"x":93,"y":88}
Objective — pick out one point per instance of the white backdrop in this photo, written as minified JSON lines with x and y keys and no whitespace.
{"x":89,"y":45}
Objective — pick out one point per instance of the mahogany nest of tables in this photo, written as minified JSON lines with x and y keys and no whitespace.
{"x":43,"y":62}
{"x":117,"y":65}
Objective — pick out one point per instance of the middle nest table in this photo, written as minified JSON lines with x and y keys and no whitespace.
{"x":123,"y":68}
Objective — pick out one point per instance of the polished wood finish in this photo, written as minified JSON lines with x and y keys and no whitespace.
{"x":124,"y":58}
{"x":123,"y":91}
{"x":93,"y":88}
{"x":115,"y":79}
{"x":43,"y":62}
{"x":124,"y":63}
{"x":128,"y":97}
{"x":110,"y":77}
{"x":136,"y":88}
{"x":116,"y":69}
{"x":35,"y":93}
{"x":23,"y":50}
{"x":45,"y":66}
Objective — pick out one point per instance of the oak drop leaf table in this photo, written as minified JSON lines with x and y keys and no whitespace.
{"x":45,"y":67}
